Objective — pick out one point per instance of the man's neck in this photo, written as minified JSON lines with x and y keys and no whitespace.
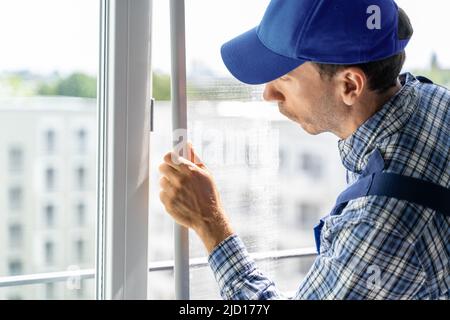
{"x":370,"y":105}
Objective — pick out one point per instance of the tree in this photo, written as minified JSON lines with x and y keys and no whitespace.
{"x":78,"y":85}
{"x":75,"y":85}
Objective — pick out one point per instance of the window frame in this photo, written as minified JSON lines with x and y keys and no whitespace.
{"x":123,"y":150}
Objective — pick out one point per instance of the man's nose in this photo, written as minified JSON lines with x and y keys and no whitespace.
{"x":271,"y":93}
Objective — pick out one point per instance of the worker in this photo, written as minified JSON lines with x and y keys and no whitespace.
{"x":335,"y":66}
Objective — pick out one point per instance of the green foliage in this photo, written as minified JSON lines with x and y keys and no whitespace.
{"x":78,"y":85}
{"x":15,"y":82}
{"x":47,"y":89}
{"x":75,"y":85}
{"x":161,"y":86}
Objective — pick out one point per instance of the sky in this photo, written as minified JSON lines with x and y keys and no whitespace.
{"x":48,"y":35}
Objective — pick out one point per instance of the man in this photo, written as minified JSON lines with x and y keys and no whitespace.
{"x":333,"y":66}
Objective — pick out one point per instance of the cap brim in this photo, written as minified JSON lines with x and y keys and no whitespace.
{"x":253,"y":63}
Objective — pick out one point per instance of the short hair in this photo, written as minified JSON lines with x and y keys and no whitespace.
{"x":381,"y":74}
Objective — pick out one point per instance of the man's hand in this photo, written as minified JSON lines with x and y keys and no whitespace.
{"x":190,"y":196}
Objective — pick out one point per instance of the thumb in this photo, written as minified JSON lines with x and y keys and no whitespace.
{"x":193,"y":157}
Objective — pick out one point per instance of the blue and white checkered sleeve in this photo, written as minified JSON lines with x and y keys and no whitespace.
{"x":237,"y":274}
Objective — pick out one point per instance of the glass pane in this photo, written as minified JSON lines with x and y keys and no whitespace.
{"x":275,"y":180}
{"x":161,"y":285}
{"x":78,"y":289}
{"x":272,"y":203}
{"x":48,"y":134}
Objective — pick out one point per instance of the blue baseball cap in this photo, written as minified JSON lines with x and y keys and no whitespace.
{"x":293,"y":32}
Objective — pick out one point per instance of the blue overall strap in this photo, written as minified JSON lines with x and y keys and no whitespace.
{"x":375,"y":182}
{"x":391,"y":185}
{"x":401,"y":187}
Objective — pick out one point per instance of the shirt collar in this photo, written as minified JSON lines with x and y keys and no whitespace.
{"x":356,"y":149}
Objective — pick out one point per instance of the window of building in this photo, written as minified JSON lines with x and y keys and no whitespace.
{"x":308,"y":214}
{"x":49,"y":215}
{"x":15,"y":159}
{"x":311,"y":165}
{"x":15,"y":236}
{"x":49,"y":253}
{"x":80,"y":251}
{"x":15,"y":267}
{"x":81,"y":178}
{"x":81,"y":137}
{"x":50,"y":144}
{"x":81,"y":214}
{"x":50,"y":179}
{"x":282,"y":160}
{"x":15,"y":198}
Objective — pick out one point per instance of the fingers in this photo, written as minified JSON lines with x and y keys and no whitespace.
{"x":167,"y":189}
{"x":177,"y":162}
{"x":164,"y":183}
{"x":175,"y":166}
{"x":173,"y":160}
{"x":171,"y":174}
{"x":165,"y":199}
{"x":193,"y":157}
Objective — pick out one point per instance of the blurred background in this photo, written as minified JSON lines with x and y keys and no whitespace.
{"x":275,"y":180}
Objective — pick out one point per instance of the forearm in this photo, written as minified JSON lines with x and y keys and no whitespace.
{"x":214,"y":232}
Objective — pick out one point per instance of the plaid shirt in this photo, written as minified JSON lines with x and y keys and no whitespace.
{"x":379,"y":247}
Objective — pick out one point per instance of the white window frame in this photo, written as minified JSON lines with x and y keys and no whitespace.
{"x":123,"y":154}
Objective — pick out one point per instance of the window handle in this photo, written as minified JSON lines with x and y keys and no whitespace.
{"x":152,"y":106}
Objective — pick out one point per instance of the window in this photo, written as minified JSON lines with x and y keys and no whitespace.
{"x":15,"y":198}
{"x":308,"y":215}
{"x":15,"y":267}
{"x":79,"y":251}
{"x":310,"y":164}
{"x":81,"y":214}
{"x":49,"y":253}
{"x":15,"y":159}
{"x":48,"y":108}
{"x":15,"y":236}
{"x":81,"y":136}
{"x":49,"y":215}
{"x":50,"y":179}
{"x":50,"y":141}
{"x":281,"y":159}
{"x":244,"y":142}
{"x":81,"y":178}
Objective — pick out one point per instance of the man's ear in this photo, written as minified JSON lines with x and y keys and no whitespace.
{"x":351,"y":83}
